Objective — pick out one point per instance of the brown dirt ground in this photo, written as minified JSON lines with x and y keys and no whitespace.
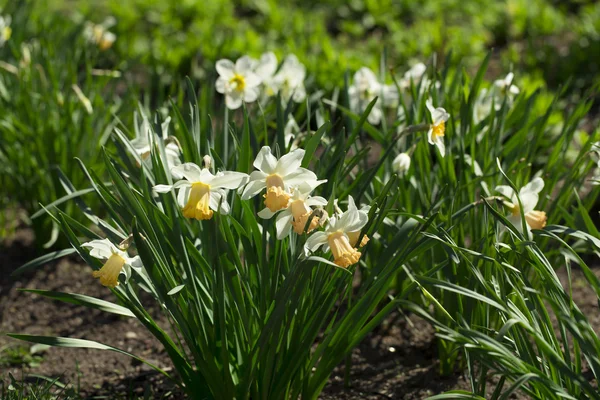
{"x":397,"y":361}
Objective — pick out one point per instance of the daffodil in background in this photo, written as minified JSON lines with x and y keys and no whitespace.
{"x":366,"y":87}
{"x":414,"y":74}
{"x":506,"y":86}
{"x":401,"y":164}
{"x":99,"y":34}
{"x":279,"y":177}
{"x":201,"y":193}
{"x":143,"y":141}
{"x":117,"y":262}
{"x":5,"y":29}
{"x":529,"y":196}
{"x":341,"y":236}
{"x":437,"y":129}
{"x":238,"y":82}
{"x":265,"y":69}
{"x":289,"y":80}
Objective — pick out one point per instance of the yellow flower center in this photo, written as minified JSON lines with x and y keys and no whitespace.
{"x":536,"y":219}
{"x":276,"y":197}
{"x":237,"y":82}
{"x":438,"y":130}
{"x":353,"y":237}
{"x":301,"y":212}
{"x":105,"y":43}
{"x":198,"y":205}
{"x":344,"y":254}
{"x":109,"y":273}
{"x":6,"y":33}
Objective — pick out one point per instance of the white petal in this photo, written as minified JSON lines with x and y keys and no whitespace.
{"x":162,"y":188}
{"x":266,"y":213}
{"x":229,"y":180}
{"x":265,"y":161}
{"x":253,"y":188}
{"x":221,"y":85}
{"x":101,"y":249}
{"x":529,"y":200}
{"x":505,"y":191}
{"x":217,"y":197}
{"x":439,"y":115}
{"x":283,"y":224}
{"x":243,"y":65}
{"x":267,"y":65}
{"x":183,"y":195}
{"x":316,"y":201}
{"x":439,"y":142}
{"x":252,"y":80}
{"x":289,"y":162}
{"x":251,"y":94}
{"x":190,"y":171}
{"x":535,"y":186}
{"x":429,"y":104}
{"x":316,"y":240}
{"x":233,"y":102}
{"x":225,"y":68}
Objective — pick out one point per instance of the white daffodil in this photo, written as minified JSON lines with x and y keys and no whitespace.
{"x":5,"y":29}
{"x":117,"y":262}
{"x":142,"y":143}
{"x":506,"y":85}
{"x":99,"y":34}
{"x":279,"y":177}
{"x":437,"y":129}
{"x":529,"y":196}
{"x":341,"y":236}
{"x":201,"y":192}
{"x":265,"y":69}
{"x":414,"y":74}
{"x":296,"y":214}
{"x":237,"y":81}
{"x":365,"y":87}
{"x":289,"y":80}
{"x":401,"y":164}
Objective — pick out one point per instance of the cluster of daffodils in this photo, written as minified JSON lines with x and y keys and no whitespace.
{"x":249,"y":79}
{"x":501,"y":90}
{"x":99,"y":34}
{"x":145,"y":139}
{"x":529,"y":196}
{"x":287,"y":196}
{"x":5,"y":29}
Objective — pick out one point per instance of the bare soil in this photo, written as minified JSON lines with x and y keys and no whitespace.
{"x":397,"y":361}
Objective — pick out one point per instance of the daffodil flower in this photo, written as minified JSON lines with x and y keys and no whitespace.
{"x":237,"y":81}
{"x":201,"y":192}
{"x":414,"y":74}
{"x":296,"y":215}
{"x":278,"y":177}
{"x":143,"y":142}
{"x":364,"y":89}
{"x":99,"y":34}
{"x":117,"y":262}
{"x":437,"y":129}
{"x":401,"y":164}
{"x":341,"y":236}
{"x":529,"y":196}
{"x":506,"y":85}
{"x":5,"y":29}
{"x":289,"y":80}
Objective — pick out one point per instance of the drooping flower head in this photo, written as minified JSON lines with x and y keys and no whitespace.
{"x":278,"y":177}
{"x":297,"y":213}
{"x":414,"y":74}
{"x":341,"y":236}
{"x":5,"y":29}
{"x":364,"y":89}
{"x":401,"y":164}
{"x":437,"y":129}
{"x":201,"y":192}
{"x":117,"y":262}
{"x":237,"y":82}
{"x":529,"y":195}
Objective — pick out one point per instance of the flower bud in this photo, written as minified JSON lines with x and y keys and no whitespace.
{"x":401,"y":164}
{"x":207,"y":161}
